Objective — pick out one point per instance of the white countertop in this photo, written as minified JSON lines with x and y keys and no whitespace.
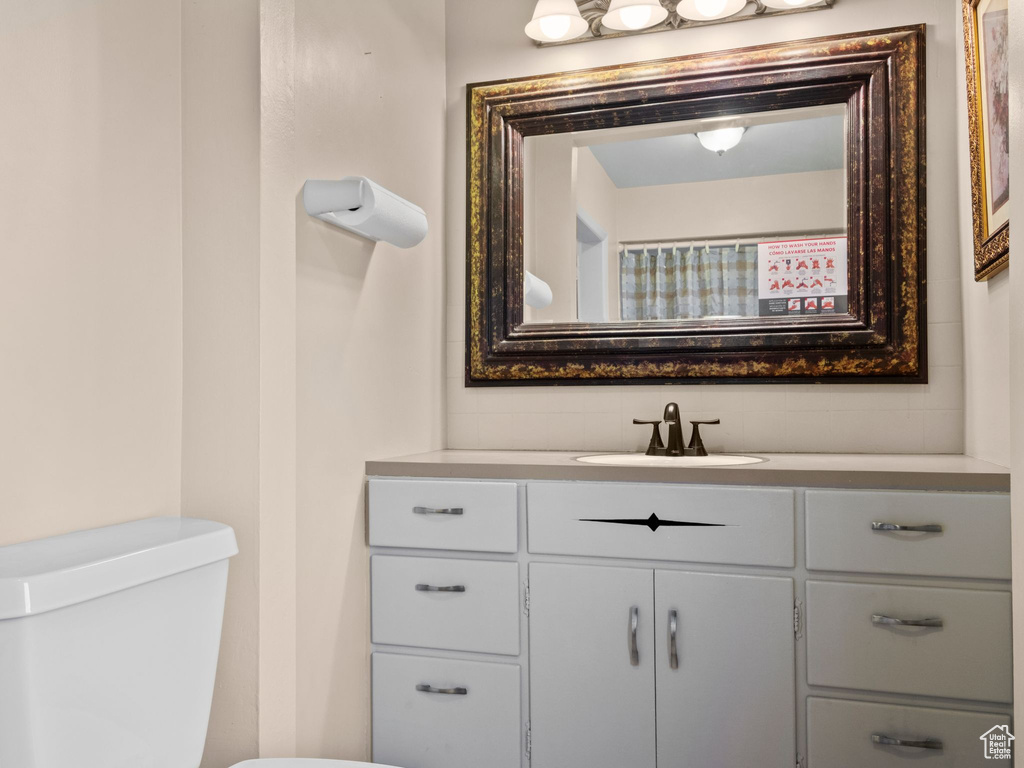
{"x":818,"y":470}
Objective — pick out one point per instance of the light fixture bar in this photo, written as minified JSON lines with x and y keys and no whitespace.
{"x":595,"y":10}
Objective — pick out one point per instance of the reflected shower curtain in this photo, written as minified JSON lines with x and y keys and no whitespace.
{"x":671,"y":283}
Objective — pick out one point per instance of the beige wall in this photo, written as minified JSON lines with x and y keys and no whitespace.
{"x":1015,"y":420}
{"x":551,"y":234}
{"x":220,"y":244}
{"x":597,"y":194}
{"x":90,"y":243}
{"x":789,"y":202}
{"x":485,"y":42}
{"x":986,"y":309}
{"x":369,"y":100}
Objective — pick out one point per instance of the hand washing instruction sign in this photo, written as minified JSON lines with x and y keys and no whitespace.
{"x":802,"y":277}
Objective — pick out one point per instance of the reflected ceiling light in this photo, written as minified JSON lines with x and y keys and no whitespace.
{"x":720,"y":140}
{"x":707,"y":10}
{"x":555,"y":20}
{"x":631,"y":15}
{"x":789,"y":3}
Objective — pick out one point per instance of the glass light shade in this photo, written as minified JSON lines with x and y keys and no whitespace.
{"x":631,"y":15}
{"x":555,"y":20}
{"x":706,"y":10}
{"x":720,"y":140}
{"x":789,"y":4}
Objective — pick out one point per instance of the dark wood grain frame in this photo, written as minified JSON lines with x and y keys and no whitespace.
{"x":879,"y":76}
{"x":991,"y":249}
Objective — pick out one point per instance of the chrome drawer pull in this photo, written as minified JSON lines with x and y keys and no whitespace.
{"x":446,"y":691}
{"x":888,"y":621}
{"x":933,"y":528}
{"x":889,"y":741}
{"x":432,"y":511}
{"x":673,"y":629}
{"x":634,"y":652}
{"x":431,"y":588}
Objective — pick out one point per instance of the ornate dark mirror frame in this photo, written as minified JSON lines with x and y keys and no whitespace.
{"x":879,"y":76}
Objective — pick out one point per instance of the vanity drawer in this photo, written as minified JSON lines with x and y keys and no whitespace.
{"x":409,"y":610}
{"x":444,"y":514}
{"x":968,"y":657}
{"x":839,"y":735}
{"x":697,"y":524}
{"x":480,"y":727}
{"x":974,"y":541}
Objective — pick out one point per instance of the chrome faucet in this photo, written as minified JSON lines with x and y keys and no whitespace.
{"x":675,"y":435}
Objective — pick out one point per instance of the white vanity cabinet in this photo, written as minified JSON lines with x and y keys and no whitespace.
{"x":641,"y":667}
{"x":586,"y":624}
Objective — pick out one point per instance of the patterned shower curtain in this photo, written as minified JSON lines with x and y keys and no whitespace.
{"x":673,"y":283}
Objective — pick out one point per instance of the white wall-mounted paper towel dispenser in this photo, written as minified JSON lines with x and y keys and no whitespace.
{"x":536,"y":292}
{"x":359,"y":205}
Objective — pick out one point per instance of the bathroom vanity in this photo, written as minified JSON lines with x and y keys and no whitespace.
{"x":818,"y":611}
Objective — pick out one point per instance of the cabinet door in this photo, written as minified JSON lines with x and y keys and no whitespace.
{"x":730,"y":701}
{"x":591,"y":697}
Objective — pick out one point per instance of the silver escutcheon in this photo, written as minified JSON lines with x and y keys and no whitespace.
{"x":888,"y":621}
{"x":432,"y":588}
{"x":433,"y":511}
{"x":634,"y":622}
{"x":931,"y":528}
{"x":423,"y":688}
{"x":890,"y":741}
{"x":673,"y":630}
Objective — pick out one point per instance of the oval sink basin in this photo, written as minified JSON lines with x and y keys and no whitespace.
{"x":642,"y":460}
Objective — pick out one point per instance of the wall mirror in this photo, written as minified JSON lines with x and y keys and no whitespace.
{"x":748,"y":215}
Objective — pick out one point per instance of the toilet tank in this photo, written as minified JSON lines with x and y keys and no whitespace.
{"x":108,"y":644}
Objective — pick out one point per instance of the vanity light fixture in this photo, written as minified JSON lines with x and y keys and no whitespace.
{"x":709,"y":10}
{"x":720,"y":140}
{"x":634,"y":15}
{"x":556,"y":21}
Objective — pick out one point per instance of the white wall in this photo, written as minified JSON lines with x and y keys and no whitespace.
{"x":986,"y":312}
{"x":485,"y":42}
{"x":90,"y":256}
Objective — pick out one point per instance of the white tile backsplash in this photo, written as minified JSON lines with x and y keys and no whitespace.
{"x":814,"y":418}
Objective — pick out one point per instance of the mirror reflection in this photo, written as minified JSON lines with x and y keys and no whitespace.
{"x":717,"y":219}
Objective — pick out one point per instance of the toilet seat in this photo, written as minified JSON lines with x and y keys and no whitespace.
{"x":301,"y":762}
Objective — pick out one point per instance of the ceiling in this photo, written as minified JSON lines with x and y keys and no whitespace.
{"x":813,"y":144}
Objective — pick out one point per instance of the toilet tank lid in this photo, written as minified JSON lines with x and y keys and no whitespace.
{"x":48,"y":574}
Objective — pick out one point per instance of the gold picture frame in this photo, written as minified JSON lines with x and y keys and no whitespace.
{"x":985,"y":42}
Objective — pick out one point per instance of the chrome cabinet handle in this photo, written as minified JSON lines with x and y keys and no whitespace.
{"x":431,"y":588}
{"x":634,"y":622}
{"x":446,"y":691}
{"x":432,"y":511}
{"x":890,"y":741}
{"x":932,"y":528}
{"x":888,"y":621}
{"x":673,"y":629}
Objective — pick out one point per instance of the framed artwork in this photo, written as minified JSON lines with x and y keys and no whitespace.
{"x":988,"y":106}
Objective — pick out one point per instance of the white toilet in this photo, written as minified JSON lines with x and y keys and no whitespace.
{"x":108,"y":647}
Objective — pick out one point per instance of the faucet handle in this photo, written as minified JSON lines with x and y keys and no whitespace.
{"x":656,"y":447}
{"x":696,"y":444}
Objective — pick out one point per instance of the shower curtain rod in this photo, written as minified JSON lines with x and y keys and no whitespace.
{"x":742,"y":239}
